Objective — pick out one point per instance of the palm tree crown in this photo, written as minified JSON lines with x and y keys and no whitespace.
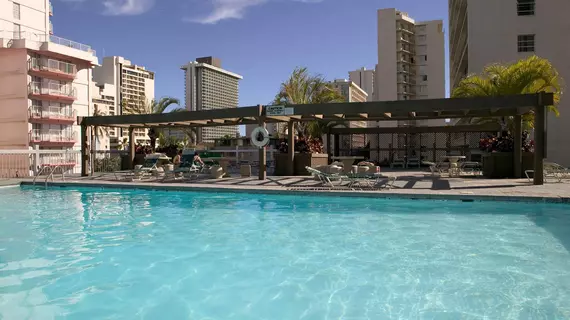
{"x":304,"y":88}
{"x":530,"y":75}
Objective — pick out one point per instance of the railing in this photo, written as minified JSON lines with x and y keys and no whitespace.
{"x":71,"y":44}
{"x":50,"y":9}
{"x":52,"y":65}
{"x":53,"y":135}
{"x":39,"y":37}
{"x":56,"y":113}
{"x":52,"y":88}
{"x":27,"y":163}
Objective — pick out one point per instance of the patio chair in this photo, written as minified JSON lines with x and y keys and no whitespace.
{"x":139,"y":173}
{"x":472,"y":167}
{"x":326,"y":178}
{"x":435,"y":168}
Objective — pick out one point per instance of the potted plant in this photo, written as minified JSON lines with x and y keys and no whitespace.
{"x":499,"y":156}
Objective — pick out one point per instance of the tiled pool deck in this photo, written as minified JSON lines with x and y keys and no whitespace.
{"x":410,"y":184}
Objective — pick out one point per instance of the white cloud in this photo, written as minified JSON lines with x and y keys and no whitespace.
{"x":232,"y":9}
{"x":127,"y":7}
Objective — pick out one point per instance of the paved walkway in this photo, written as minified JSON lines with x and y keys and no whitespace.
{"x":410,"y":184}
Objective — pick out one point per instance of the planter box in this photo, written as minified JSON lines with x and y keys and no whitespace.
{"x":499,"y":165}
{"x":312,"y":160}
{"x":301,"y":161}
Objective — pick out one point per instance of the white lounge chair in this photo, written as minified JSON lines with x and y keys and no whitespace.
{"x":326,"y":178}
{"x":414,"y":162}
{"x":398,"y":163}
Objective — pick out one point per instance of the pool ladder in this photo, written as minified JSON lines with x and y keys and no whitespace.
{"x":50,"y":175}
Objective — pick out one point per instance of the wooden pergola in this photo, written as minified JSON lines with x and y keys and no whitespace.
{"x":500,"y":106}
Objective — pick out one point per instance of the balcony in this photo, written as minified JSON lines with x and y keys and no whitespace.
{"x":50,"y":9}
{"x":50,"y":28}
{"x":52,"y":91}
{"x":52,"y":115}
{"x":51,"y":68}
{"x":53,"y":138}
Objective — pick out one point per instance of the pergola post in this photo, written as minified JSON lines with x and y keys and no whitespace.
{"x":291,"y":148}
{"x":336,"y":145}
{"x":131,"y":147}
{"x":84,"y":151}
{"x":539,"y":128}
{"x":329,"y":144}
{"x":262,"y":151}
{"x":517,"y":165}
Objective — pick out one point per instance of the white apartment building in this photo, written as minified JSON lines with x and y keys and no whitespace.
{"x":411,"y":59}
{"x":489,"y":31}
{"x":45,"y":80}
{"x":208,"y":86}
{"x":134,"y":91}
{"x":104,"y":104}
{"x":364,"y":79}
{"x":352,"y":93}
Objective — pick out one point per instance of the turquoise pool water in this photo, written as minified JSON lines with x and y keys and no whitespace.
{"x":133,"y":254}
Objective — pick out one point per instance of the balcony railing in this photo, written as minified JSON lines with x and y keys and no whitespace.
{"x":52,"y":113}
{"x":40,"y":37}
{"x":52,"y":89}
{"x":50,"y":9}
{"x":52,"y":65}
{"x":52,"y":136}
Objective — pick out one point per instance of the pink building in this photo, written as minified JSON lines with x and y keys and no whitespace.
{"x":44,"y":80}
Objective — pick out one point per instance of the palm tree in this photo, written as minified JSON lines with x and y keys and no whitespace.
{"x":98,"y":131}
{"x":304,"y":88}
{"x":530,"y":75}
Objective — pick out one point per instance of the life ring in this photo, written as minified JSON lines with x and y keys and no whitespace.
{"x":260,"y":137}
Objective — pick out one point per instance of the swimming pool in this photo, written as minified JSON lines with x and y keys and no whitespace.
{"x":87,"y":253}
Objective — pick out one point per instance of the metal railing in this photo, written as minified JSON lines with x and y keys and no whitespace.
{"x":52,"y":65}
{"x":27,"y":163}
{"x":40,"y":37}
{"x":52,"y":113}
{"x":53,"y":135}
{"x":52,"y":88}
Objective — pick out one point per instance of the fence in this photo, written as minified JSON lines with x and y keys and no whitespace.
{"x":26,"y":163}
{"x":385,"y":147}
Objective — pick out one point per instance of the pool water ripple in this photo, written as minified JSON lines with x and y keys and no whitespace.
{"x":135,"y":254}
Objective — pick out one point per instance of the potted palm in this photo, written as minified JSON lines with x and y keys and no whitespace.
{"x":526,"y":76}
{"x":305,"y":88}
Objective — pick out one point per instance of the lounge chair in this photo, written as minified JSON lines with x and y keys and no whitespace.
{"x":471,"y":167}
{"x":435,"y":168}
{"x":398,"y":162}
{"x":551,"y":170}
{"x":371,"y":181}
{"x":139,"y":173}
{"x":326,"y":178}
{"x":413,"y":162}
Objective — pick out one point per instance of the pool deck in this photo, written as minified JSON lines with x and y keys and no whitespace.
{"x":410,"y":184}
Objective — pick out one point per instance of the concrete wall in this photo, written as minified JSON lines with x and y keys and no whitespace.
{"x":435,"y":64}
{"x":34,"y":16}
{"x":495,"y":40}
{"x":13,"y":99}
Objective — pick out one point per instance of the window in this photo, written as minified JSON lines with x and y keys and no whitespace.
{"x":526,"y":43}
{"x":17,"y":31}
{"x":16,"y":10}
{"x":424,"y":77}
{"x":525,"y":7}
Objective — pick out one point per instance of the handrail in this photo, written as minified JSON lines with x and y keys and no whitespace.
{"x":50,"y":175}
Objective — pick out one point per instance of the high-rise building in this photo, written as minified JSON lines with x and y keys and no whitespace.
{"x":104,"y":104}
{"x":352,"y":93}
{"x":134,"y":91}
{"x":44,"y":79}
{"x":207,"y":87}
{"x":365,"y":80}
{"x":483,"y":32}
{"x":411,"y":58}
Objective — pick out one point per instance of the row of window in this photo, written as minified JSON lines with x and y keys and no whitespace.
{"x":525,"y":7}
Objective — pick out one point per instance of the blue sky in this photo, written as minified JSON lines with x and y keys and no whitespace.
{"x":263,"y":40}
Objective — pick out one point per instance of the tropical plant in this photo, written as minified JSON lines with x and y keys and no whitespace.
{"x":530,"y":75}
{"x":305,"y":88}
{"x":97,"y":130}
